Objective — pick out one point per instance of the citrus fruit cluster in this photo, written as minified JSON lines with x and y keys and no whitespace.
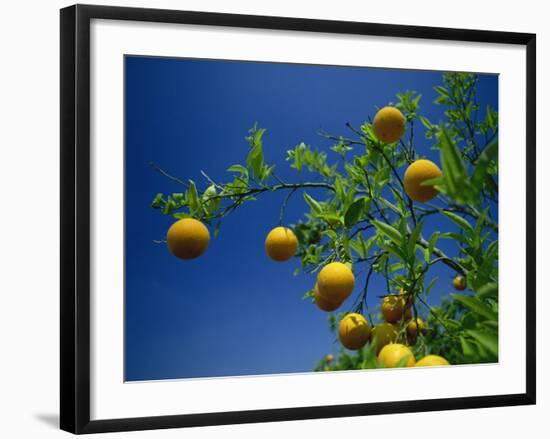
{"x":389,"y":126}
{"x":355,"y":332}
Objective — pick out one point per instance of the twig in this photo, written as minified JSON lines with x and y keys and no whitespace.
{"x":283,"y":206}
{"x":167,"y":175}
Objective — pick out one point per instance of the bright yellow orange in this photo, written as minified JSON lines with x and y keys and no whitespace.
{"x":392,"y":354}
{"x":323,"y":303}
{"x":459,"y":282}
{"x":432,"y":360}
{"x":413,"y":328}
{"x":388,"y":124}
{"x":354,"y":331}
{"x":384,"y":333}
{"x":417,"y":173}
{"x":187,"y":238}
{"x":281,"y":244}
{"x":335,"y":282}
{"x":392,"y":308}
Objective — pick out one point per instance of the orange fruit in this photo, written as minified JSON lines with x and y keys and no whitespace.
{"x":187,"y":238}
{"x":459,"y":282}
{"x":335,"y":282}
{"x":392,"y":354}
{"x":384,"y":333}
{"x":413,"y":328}
{"x":392,"y":308}
{"x":281,"y":244}
{"x":354,"y":331}
{"x":388,"y":124}
{"x":323,"y":303}
{"x":418,"y":172}
{"x":432,"y":360}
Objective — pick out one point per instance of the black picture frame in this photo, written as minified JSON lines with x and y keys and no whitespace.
{"x":75,"y":217}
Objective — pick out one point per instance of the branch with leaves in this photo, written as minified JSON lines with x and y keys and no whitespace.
{"x":361,"y":212}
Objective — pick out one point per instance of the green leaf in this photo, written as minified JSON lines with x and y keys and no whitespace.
{"x":425,"y":122}
{"x":392,"y":248}
{"x":193,"y":197}
{"x":489,"y":290}
{"x":442,"y":91}
{"x":238,"y":168}
{"x":255,"y":158}
{"x":355,"y":211}
{"x":491,"y":118}
{"x":315,"y":206}
{"x":456,"y":236}
{"x":469,"y":349}
{"x":461,"y":222}
{"x":413,"y":238}
{"x":433,"y":241}
{"x":389,"y":231}
{"x":392,"y":206}
{"x":486,"y":159}
{"x":431,"y":285}
{"x":454,"y":169}
{"x":476,"y":306}
{"x":157,"y":202}
{"x":486,"y":339}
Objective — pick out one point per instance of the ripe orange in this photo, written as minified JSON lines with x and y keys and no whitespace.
{"x":323,"y":303}
{"x":413,"y":328}
{"x":281,"y":244}
{"x":459,"y":282}
{"x":388,"y":124}
{"x":187,"y":238}
{"x":384,"y":333}
{"x":335,"y":282}
{"x":432,"y":360}
{"x":417,"y":173}
{"x":392,"y":354}
{"x":354,"y":331}
{"x":392,"y":308}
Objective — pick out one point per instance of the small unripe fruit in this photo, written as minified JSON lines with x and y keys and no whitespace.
{"x":459,"y":282}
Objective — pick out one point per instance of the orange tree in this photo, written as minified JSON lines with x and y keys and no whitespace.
{"x":378,"y":194}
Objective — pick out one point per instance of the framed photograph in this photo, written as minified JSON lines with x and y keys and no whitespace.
{"x":268,"y":219}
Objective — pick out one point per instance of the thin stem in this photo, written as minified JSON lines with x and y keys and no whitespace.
{"x":167,"y":175}
{"x":283,"y":206}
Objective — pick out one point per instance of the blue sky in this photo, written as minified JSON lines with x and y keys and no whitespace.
{"x":233,"y":311}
